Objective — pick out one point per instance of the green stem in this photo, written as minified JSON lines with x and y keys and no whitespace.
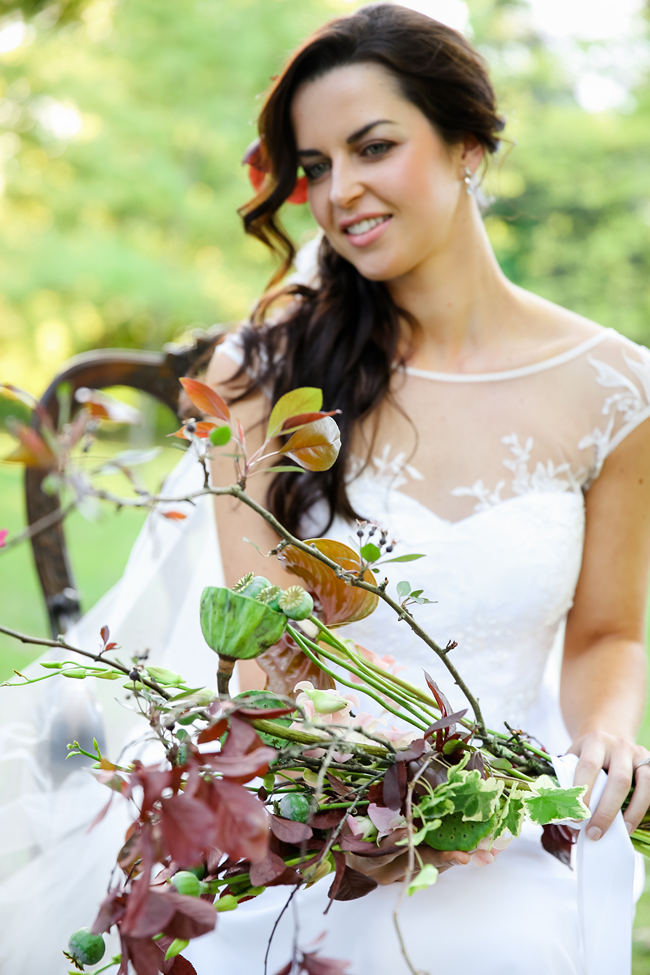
{"x":310,"y":649}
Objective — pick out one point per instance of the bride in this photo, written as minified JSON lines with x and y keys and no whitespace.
{"x":502,"y":436}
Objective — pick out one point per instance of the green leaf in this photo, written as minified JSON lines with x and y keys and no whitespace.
{"x":512,"y":814}
{"x":551,"y":804}
{"x":425,"y":878}
{"x":226,"y":903}
{"x":404,"y":558}
{"x":281,"y":468}
{"x":370,"y":552}
{"x":403,"y":589}
{"x":51,"y":664}
{"x":175,"y":948}
{"x":306,"y":399}
{"x":163,"y":676}
{"x":220,"y":436}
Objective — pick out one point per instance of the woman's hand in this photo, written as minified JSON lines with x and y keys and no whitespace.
{"x":627,"y":765}
{"x":393,"y":867}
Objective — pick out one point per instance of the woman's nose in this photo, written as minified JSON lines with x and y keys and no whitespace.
{"x":345,"y":185}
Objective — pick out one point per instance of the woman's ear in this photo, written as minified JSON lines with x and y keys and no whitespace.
{"x":472,"y":153}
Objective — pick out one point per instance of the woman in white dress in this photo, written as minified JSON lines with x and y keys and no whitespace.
{"x":503,"y":436}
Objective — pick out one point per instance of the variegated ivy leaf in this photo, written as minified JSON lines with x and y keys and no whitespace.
{"x":551,"y":804}
{"x":425,"y":878}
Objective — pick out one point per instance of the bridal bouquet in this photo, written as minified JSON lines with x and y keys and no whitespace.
{"x":295,"y":784}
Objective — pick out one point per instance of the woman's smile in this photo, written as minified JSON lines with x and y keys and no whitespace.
{"x":382,"y":183}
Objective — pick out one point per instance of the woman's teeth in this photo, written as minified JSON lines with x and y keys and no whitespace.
{"x":364,"y":225}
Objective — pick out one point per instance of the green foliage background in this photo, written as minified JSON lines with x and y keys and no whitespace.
{"x":121,"y":130}
{"x":122,"y":125}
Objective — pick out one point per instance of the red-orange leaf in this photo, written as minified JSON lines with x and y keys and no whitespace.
{"x":305,"y":399}
{"x":316,"y":445}
{"x":32,"y":451}
{"x":205,"y":398}
{"x":340,"y":602}
{"x":202,"y":429}
{"x":174,"y":515}
{"x":293,"y":422}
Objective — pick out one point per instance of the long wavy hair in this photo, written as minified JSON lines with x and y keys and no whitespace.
{"x":343,"y":334}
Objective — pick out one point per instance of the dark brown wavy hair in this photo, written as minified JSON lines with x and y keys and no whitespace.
{"x":342,"y":334}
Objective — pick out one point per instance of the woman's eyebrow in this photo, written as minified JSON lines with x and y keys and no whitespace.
{"x":359,"y":134}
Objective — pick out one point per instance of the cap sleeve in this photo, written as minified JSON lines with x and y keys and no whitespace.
{"x":621,"y":371}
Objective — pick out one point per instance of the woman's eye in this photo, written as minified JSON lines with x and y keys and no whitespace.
{"x":314,"y":170}
{"x":376,"y":149}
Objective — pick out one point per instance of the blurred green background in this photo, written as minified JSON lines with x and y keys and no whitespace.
{"x":122,"y":126}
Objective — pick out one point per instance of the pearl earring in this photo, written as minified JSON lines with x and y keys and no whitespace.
{"x":467,"y":179}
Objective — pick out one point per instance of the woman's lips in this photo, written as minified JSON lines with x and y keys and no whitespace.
{"x":366,"y":230}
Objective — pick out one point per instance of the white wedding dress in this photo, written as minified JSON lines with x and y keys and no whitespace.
{"x":494,"y":497}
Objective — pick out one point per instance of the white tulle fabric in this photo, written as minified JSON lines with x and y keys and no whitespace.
{"x":493,"y":497}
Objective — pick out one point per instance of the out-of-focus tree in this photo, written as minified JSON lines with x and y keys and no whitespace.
{"x":121,"y":129}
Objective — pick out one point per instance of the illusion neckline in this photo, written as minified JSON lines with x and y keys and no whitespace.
{"x":528,"y":370}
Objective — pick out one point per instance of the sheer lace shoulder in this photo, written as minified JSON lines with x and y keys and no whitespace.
{"x":622,"y":374}
{"x":477,"y":440}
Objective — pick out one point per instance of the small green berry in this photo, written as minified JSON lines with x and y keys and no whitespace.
{"x":187,"y":883}
{"x":86,"y":948}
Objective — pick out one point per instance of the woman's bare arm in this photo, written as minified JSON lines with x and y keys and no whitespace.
{"x":603,"y":676}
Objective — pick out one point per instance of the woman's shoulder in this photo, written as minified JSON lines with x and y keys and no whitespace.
{"x":557,"y":331}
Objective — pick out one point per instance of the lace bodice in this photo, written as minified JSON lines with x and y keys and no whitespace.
{"x":488,"y":482}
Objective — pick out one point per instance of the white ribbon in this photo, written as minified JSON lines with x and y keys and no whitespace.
{"x":605,"y":877}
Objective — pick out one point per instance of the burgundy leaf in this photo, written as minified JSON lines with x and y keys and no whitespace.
{"x":353,"y":885}
{"x":340,"y":865}
{"x":143,"y":953}
{"x":441,"y":700}
{"x":327,"y":820}
{"x":413,"y":751}
{"x":443,"y":724}
{"x":287,"y":969}
{"x":395,"y":786}
{"x":244,"y":754}
{"x":213,"y":732}
{"x":289,"y":830}
{"x":476,"y":762}
{"x":242,"y":822}
{"x":339,"y":787}
{"x":313,"y":964}
{"x":272,"y":870}
{"x":192,"y":916}
{"x":157,"y":911}
{"x":104,"y":633}
{"x":188,"y":829}
{"x":111,"y":910}
{"x":558,"y":841}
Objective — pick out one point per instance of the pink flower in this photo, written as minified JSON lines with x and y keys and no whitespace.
{"x":3,"y":536}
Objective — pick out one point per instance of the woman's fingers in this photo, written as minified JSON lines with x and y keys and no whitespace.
{"x":640,"y":801}
{"x":620,"y":758}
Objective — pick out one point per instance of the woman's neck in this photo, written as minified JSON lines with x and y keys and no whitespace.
{"x":462,"y":302}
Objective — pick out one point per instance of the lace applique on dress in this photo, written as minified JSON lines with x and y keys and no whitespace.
{"x":389,"y":472}
{"x":629,"y":405}
{"x":546,"y":476}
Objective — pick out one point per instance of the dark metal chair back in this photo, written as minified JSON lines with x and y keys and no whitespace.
{"x":155,"y":373}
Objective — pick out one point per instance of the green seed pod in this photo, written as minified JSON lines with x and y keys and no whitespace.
{"x":86,"y":948}
{"x":294,"y":805}
{"x":250,"y":585}
{"x":270,"y":596}
{"x":296,"y":603}
{"x":187,"y":883}
{"x":236,"y":626}
{"x":456,"y":833}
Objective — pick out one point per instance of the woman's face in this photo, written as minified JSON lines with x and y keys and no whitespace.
{"x":383,"y":185}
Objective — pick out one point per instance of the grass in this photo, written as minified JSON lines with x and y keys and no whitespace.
{"x":99,"y":550}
